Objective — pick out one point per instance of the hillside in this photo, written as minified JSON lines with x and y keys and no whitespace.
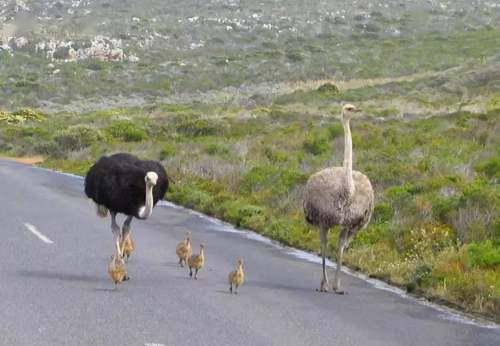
{"x":74,"y":55}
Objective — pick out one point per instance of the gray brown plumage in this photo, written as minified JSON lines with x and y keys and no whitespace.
{"x":196,"y":262}
{"x":339,"y":196}
{"x":236,"y":277}
{"x":116,"y":269}
{"x":183,"y":250}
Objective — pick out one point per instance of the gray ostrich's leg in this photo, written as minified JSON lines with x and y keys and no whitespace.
{"x":323,"y":239}
{"x":343,"y":242}
{"x":116,"y":232}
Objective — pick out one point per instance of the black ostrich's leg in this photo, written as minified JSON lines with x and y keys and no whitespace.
{"x":126,"y":228}
{"x":116,"y":232}
{"x":125,"y":232}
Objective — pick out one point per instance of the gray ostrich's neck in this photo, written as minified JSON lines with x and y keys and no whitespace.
{"x":348,"y":156}
{"x":147,"y":209}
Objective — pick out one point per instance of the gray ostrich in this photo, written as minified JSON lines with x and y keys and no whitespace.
{"x":339,"y":196}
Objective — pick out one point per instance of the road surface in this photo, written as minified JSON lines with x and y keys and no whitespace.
{"x":54,"y":287}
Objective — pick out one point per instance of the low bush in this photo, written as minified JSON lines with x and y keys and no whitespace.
{"x":167,"y":150}
{"x":77,"y":137}
{"x":126,"y":131}
{"x":484,"y":255}
{"x":316,"y":143}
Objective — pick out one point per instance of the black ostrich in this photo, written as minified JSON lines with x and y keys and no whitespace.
{"x":121,"y":183}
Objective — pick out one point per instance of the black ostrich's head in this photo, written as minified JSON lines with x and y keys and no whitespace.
{"x":151,"y":178}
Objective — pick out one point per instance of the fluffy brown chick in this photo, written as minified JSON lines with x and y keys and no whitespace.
{"x":117,"y":270}
{"x":127,"y":246}
{"x":196,"y":262}
{"x":236,"y":277}
{"x":184,"y":250}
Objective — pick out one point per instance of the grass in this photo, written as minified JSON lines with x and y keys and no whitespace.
{"x":435,"y":229}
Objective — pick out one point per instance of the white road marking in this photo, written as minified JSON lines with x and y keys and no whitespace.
{"x":153,"y":344}
{"x":39,"y":234}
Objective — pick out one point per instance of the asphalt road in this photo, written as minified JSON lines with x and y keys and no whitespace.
{"x":59,"y":293}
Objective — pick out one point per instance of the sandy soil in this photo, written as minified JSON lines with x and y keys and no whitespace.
{"x":29,"y":160}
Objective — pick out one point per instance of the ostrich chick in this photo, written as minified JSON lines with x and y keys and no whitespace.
{"x":196,"y":262}
{"x":127,"y":246}
{"x":236,"y":277}
{"x":184,"y":250}
{"x":117,"y":270}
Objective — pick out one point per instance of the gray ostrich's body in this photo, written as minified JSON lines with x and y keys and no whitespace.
{"x":339,"y":196}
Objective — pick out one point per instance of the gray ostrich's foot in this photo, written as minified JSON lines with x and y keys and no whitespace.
{"x":324,"y":285}
{"x":337,"y":288}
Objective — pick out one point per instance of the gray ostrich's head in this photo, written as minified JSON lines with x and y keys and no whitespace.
{"x":348,"y":111}
{"x":151,"y":178}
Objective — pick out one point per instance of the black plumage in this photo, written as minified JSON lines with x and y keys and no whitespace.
{"x":117,"y":183}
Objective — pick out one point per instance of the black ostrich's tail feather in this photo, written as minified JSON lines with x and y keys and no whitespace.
{"x":102,"y":211}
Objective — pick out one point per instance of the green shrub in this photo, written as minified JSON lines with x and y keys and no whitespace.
{"x":200,"y":127}
{"x":421,"y":274}
{"x":494,"y":103}
{"x":329,"y":88}
{"x":316,"y":143}
{"x":168,"y":150}
{"x":77,"y":137}
{"x":275,"y":156}
{"x":270,"y":177}
{"x":49,"y":149}
{"x":21,"y":116}
{"x":126,"y":131}
{"x":240,"y":213}
{"x":491,"y":167}
{"x":485,"y":254}
{"x":382,"y":212}
{"x":335,"y":130}
{"x":217,"y":149}
{"x":441,"y":207}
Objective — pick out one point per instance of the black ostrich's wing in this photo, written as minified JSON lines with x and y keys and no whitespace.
{"x":117,"y":184}
{"x":124,"y":159}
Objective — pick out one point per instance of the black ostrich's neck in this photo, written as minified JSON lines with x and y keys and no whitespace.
{"x":146,"y":210}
